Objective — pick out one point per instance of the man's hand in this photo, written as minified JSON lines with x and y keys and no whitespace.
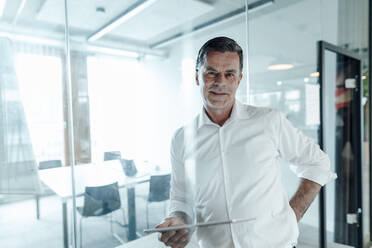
{"x":304,"y":196}
{"x":174,"y":239}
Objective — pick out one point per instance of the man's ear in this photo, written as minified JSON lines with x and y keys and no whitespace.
{"x":240,"y":78}
{"x":197,"y":77}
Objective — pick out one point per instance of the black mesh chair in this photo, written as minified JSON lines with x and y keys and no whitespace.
{"x":113,"y":155}
{"x":100,"y":201}
{"x":48,"y":164}
{"x":158,"y":192}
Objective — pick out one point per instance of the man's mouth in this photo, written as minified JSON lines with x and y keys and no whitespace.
{"x":218,"y":93}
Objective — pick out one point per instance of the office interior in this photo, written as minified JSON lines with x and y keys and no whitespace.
{"x":93,"y":90}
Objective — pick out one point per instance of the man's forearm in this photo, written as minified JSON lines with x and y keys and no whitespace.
{"x":304,"y":196}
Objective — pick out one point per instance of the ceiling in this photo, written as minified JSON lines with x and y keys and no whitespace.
{"x":161,"y":20}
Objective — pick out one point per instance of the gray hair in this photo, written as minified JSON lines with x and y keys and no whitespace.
{"x":219,"y":44}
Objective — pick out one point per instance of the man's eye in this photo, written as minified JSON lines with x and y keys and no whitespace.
{"x":211,"y":73}
{"x":229,"y":74}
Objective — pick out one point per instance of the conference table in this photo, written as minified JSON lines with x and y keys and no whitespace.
{"x":59,"y":180}
{"x":152,"y":241}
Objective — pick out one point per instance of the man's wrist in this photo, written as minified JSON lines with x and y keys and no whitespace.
{"x":296,"y":211}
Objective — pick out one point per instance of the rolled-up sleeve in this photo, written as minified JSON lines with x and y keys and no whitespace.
{"x":307,"y":159}
{"x":178,"y":196}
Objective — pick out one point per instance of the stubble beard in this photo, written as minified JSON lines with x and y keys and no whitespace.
{"x":210,"y":105}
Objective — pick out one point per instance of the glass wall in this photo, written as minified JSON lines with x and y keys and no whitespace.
{"x":283,"y":74}
{"x":102,"y":118}
{"x":32,"y":126}
{"x":138,"y":77}
{"x":283,"y":66}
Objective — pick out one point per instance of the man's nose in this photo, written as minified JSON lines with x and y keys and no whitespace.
{"x":219,"y":78}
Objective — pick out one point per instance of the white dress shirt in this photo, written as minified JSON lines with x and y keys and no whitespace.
{"x":232,"y":172}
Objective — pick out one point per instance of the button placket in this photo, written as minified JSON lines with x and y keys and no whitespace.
{"x":225,"y":179}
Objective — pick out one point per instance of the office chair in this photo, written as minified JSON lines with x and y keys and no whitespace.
{"x":48,"y":164}
{"x":158,"y":192}
{"x":100,"y":201}
{"x":112,"y":155}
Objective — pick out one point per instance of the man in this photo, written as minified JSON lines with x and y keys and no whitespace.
{"x":225,"y":164}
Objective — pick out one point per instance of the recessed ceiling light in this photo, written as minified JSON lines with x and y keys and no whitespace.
{"x":306,"y":79}
{"x":279,"y":83}
{"x":314,"y":74}
{"x":280,"y":67}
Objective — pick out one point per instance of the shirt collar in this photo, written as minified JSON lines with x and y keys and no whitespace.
{"x":239,"y":111}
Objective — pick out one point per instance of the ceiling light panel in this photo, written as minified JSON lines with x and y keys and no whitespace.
{"x":161,"y":17}
{"x":2,"y":6}
{"x":82,"y":13}
{"x":122,"y":18}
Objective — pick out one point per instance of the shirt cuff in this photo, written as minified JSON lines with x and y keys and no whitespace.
{"x":320,"y":176}
{"x":178,"y":206}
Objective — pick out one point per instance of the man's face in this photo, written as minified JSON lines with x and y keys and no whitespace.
{"x":219,"y":79}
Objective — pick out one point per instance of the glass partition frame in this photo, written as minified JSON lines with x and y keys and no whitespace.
{"x":322,"y":48}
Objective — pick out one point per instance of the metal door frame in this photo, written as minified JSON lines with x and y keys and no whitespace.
{"x":322,"y":47}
